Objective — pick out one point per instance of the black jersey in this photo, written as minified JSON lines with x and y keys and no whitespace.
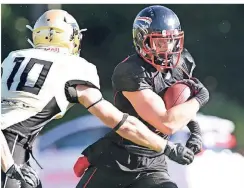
{"x":134,"y":74}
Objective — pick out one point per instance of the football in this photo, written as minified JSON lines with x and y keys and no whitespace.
{"x":176,"y":94}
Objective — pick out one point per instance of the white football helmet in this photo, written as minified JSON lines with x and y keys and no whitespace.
{"x":57,"y":28}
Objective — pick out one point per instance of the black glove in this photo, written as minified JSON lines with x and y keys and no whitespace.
{"x":23,"y":173}
{"x":194,"y":143}
{"x":179,"y":153}
{"x":199,"y":91}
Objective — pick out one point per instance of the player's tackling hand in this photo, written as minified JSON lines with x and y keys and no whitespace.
{"x":179,"y":153}
{"x":23,"y":173}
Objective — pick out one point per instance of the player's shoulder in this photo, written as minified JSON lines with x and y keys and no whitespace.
{"x":81,"y":71}
{"x":33,"y":53}
{"x":82,"y":61}
{"x":82,"y":64}
{"x":188,"y":62}
{"x":185,"y":67}
{"x":131,"y":66}
{"x":80,"y":68}
{"x":12,"y":55}
{"x":187,"y":56}
{"x":131,"y":75}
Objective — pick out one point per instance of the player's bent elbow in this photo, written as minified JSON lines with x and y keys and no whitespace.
{"x":167,"y":124}
{"x":169,"y":129}
{"x":165,"y":129}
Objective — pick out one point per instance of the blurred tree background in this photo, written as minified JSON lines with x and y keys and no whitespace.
{"x":213,"y":35}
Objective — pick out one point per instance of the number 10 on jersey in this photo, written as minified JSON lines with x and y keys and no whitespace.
{"x":28,"y":75}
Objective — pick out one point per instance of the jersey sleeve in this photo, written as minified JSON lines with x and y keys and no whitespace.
{"x":83,"y":73}
{"x":129,"y":76}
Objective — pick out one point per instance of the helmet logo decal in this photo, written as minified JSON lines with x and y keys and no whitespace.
{"x":145,"y":25}
{"x":145,"y":19}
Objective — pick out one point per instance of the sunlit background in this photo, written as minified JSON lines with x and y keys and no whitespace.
{"x":213,"y":35}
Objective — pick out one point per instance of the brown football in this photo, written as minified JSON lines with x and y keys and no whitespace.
{"x":176,"y":94}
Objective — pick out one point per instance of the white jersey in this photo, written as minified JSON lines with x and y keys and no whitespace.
{"x":33,"y":86}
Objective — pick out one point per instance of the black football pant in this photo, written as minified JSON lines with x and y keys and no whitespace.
{"x":20,"y":156}
{"x":105,"y":178}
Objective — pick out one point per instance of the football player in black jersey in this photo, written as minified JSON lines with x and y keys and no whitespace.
{"x":139,"y":83}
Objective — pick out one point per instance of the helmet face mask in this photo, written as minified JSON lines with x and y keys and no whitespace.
{"x":159,"y":37}
{"x":160,"y":49}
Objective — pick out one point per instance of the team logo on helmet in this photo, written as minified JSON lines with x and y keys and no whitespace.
{"x":144,"y":19}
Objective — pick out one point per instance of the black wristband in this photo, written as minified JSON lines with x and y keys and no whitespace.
{"x":202,"y":97}
{"x":125,"y":116}
{"x":94,"y":103}
{"x":194,"y":127}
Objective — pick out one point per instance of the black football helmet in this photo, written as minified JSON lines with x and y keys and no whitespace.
{"x":158,"y":37}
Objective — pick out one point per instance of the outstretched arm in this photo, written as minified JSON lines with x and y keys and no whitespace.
{"x":132,"y":129}
{"x":86,"y":92}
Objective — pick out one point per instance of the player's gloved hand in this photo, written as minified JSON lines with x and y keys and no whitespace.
{"x":179,"y":153}
{"x":194,"y":143}
{"x":23,"y":173}
{"x":199,"y":91}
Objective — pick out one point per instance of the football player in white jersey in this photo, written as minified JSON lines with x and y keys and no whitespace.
{"x":42,"y":83}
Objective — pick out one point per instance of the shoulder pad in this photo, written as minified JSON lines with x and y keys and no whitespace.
{"x":188,"y":61}
{"x":82,"y":73}
{"x":187,"y":55}
{"x":130,"y":76}
{"x":130,"y":69}
{"x":86,"y":71}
